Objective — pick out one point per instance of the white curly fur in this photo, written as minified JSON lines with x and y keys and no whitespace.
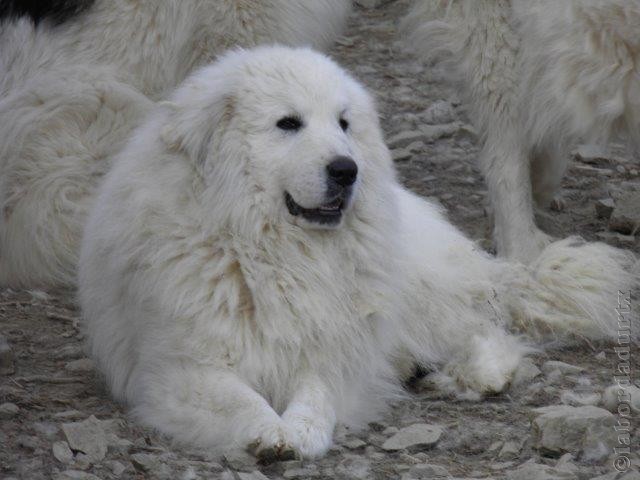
{"x":539,"y":75}
{"x":225,"y":321}
{"x":70,"y":94}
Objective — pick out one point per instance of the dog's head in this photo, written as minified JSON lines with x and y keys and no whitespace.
{"x":282,"y":131}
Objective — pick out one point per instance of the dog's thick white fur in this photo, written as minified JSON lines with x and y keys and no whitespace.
{"x":70,"y":94}
{"x":539,"y":75}
{"x":226,"y":319}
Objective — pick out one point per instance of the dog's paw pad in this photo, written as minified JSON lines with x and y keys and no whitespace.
{"x":275,"y":453}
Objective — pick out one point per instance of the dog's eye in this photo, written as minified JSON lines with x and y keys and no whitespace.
{"x":289,"y":123}
{"x":344,"y":124}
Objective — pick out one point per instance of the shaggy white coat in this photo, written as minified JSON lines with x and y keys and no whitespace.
{"x":224,"y":321}
{"x":539,"y":75}
{"x":70,"y":95}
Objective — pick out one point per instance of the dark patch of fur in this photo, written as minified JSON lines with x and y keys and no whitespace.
{"x":54,"y":11}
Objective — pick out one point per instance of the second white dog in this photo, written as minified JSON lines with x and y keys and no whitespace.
{"x":252,"y":272}
{"x":539,"y":75}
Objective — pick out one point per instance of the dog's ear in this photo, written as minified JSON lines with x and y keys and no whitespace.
{"x":198,"y":114}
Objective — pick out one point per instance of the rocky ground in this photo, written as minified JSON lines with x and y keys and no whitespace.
{"x":57,"y":420}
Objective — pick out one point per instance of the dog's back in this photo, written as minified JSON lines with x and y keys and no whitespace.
{"x":56,"y":11}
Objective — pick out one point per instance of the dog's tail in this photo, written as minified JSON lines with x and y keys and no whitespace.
{"x":575,"y":289}
{"x":475,"y":40}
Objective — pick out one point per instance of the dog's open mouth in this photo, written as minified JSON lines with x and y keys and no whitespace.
{"x":329,"y":213}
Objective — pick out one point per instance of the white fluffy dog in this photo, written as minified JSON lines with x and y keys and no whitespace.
{"x":71,"y":93}
{"x":539,"y":74}
{"x":252,"y":272}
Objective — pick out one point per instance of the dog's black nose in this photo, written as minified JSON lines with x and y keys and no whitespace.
{"x":343,"y":171}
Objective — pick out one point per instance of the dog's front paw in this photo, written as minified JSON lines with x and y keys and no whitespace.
{"x":313,"y":436}
{"x":273,"y":443}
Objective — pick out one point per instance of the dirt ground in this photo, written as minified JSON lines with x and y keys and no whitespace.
{"x":53,"y":384}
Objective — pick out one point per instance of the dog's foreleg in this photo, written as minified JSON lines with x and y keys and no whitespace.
{"x":311,"y":416}
{"x":207,"y":406}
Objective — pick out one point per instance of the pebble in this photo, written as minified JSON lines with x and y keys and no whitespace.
{"x":564,"y":368}
{"x":579,"y":400}
{"x":537,"y":471}
{"x":584,"y":431}
{"x":525,"y":373}
{"x":75,"y":475}
{"x":7,"y":366}
{"x":439,"y":112}
{"x":116,"y":467}
{"x":81,"y":365}
{"x":371,"y":3}
{"x":604,"y":208}
{"x":87,"y":437}
{"x":625,"y":218}
{"x":69,"y":415}
{"x":354,"y":444}
{"x":425,"y":471}
{"x":8,"y":410}
{"x":301,"y":473}
{"x":62,"y":452}
{"x":402,"y":139}
{"x":414,"y":437}
{"x":616,"y":398}
{"x":354,"y":467}
{"x":68,"y":352}
{"x":510,"y":450}
{"x":592,"y":154}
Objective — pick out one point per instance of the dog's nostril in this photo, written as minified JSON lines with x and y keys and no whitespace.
{"x":343,"y":171}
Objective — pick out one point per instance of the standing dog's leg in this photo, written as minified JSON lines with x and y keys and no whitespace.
{"x":506,"y":168}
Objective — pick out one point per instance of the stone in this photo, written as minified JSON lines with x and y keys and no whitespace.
{"x":8,"y":410}
{"x":586,"y":431}
{"x":301,"y":473}
{"x":604,"y":208}
{"x":116,"y":467}
{"x":565,"y":462}
{"x":81,"y":365}
{"x":536,"y":471}
{"x":414,"y":437}
{"x":75,"y":475}
{"x":402,"y":139}
{"x":592,"y":154}
{"x":47,"y":429}
{"x":439,"y":112}
{"x":62,"y":452}
{"x":617,"y":397}
{"x":431,"y":133}
{"x":144,"y":462}
{"x":353,"y":467}
{"x":579,"y":400}
{"x":7,"y":365}
{"x":69,"y":415}
{"x":255,"y":475}
{"x":425,"y":471}
{"x":525,"y":373}
{"x":371,"y":3}
{"x":400,"y":154}
{"x":510,"y":450}
{"x":354,"y":444}
{"x":564,"y":368}
{"x":68,"y":352}
{"x":625,"y":218}
{"x":87,"y":437}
